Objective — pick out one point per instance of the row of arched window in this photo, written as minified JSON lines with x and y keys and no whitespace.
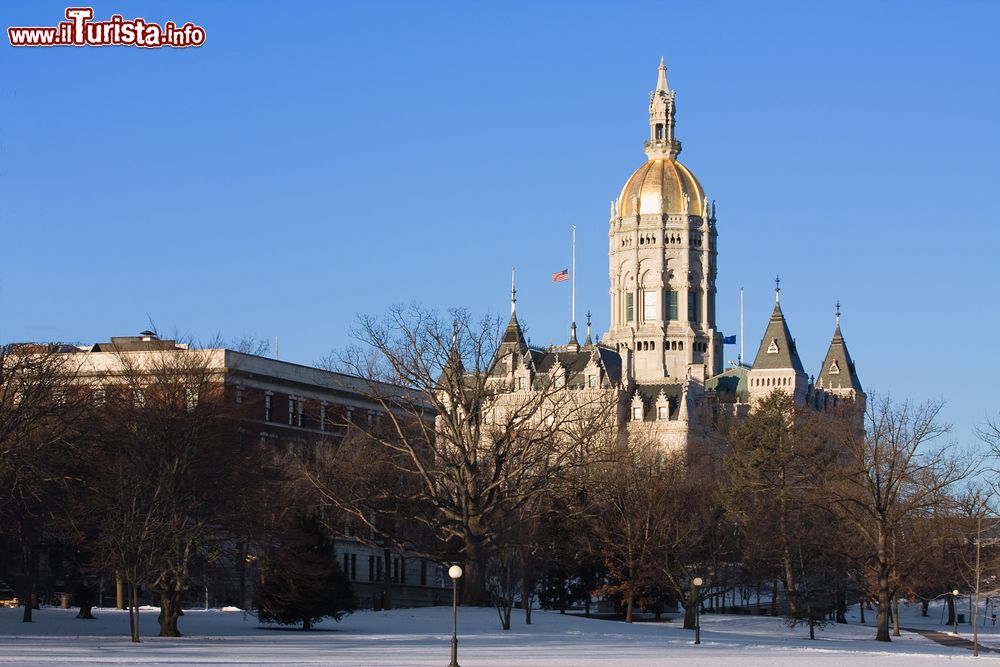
{"x":769,"y":382}
{"x":650,"y":345}
{"x":669,"y":239}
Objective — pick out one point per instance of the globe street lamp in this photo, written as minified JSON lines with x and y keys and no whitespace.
{"x":695,"y":583}
{"x":954,"y":596}
{"x":455,"y":572}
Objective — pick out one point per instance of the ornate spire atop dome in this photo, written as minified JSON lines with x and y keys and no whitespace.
{"x":662,"y":145}
{"x":661,"y":77}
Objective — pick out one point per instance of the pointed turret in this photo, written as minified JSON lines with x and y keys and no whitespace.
{"x":588,"y":342}
{"x":513,"y":336}
{"x":573,"y":345}
{"x":777,"y":365}
{"x":454,"y":370}
{"x":838,"y":374}
{"x":777,"y":347}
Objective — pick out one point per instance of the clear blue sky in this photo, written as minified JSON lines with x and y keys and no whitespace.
{"x":316,"y":160}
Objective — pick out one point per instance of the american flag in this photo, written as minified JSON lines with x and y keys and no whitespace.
{"x":560,"y":276}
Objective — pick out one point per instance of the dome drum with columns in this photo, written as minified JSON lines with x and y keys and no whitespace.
{"x":663,"y":259}
{"x":662,"y":357}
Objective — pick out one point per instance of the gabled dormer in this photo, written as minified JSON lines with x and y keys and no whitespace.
{"x":637,"y":410}
{"x":593,"y":372}
{"x":662,"y":407}
{"x":558,"y":374}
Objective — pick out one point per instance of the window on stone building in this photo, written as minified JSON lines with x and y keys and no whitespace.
{"x":692,"y":306}
{"x":267,"y":407}
{"x":649,"y":305}
{"x":520,"y":383}
{"x":239,"y":395}
{"x":322,"y":417}
{"x":637,"y":414}
{"x":670,"y":305}
{"x":300,"y":413}
{"x":371,"y":568}
{"x":662,"y":412}
{"x":423,"y":573}
{"x":291,"y":410}
{"x":629,"y":307}
{"x":591,"y":381}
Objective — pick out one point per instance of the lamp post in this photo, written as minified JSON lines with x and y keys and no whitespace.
{"x":954,"y":596}
{"x":695,"y":583}
{"x":455,"y":572}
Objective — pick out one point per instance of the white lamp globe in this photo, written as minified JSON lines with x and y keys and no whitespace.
{"x":697,"y":581}
{"x":455,"y":572}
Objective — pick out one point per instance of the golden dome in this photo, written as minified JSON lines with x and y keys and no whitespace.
{"x":660,"y":186}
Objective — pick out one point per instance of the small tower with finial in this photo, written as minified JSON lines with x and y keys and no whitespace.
{"x":837,"y":378}
{"x":777,"y":366}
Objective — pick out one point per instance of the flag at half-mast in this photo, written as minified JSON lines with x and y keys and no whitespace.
{"x":560,"y":276}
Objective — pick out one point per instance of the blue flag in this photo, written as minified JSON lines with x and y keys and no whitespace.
{"x":729,"y":340}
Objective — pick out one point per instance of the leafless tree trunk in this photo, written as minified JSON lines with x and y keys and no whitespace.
{"x":891,"y":473}
{"x":466,"y":448}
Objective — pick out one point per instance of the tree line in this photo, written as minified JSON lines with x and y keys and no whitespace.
{"x":552,"y":495}
{"x":156,"y":479}
{"x":147,"y":473}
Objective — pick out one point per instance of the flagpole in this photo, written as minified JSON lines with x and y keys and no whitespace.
{"x":741,"y":326}
{"x":573,"y":277}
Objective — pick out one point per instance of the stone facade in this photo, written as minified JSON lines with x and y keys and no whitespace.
{"x":662,"y":358}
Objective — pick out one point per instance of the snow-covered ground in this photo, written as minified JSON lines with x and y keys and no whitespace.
{"x":418,"y":637}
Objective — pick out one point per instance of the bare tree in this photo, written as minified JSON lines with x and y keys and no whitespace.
{"x":634,"y":495}
{"x":894,"y":472}
{"x":40,"y":420}
{"x":469,"y":446}
{"x":168,"y":470}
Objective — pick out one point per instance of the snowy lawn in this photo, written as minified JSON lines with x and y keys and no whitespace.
{"x":418,"y":637}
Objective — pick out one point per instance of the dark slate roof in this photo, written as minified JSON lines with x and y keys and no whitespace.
{"x":838,"y":359}
{"x":135,"y":344}
{"x":649,"y":393}
{"x":777,"y":334}
{"x":730,"y":385}
{"x":542,"y":361}
{"x":513,"y":337}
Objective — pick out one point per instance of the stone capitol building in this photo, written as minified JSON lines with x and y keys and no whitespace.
{"x":662,"y":358}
